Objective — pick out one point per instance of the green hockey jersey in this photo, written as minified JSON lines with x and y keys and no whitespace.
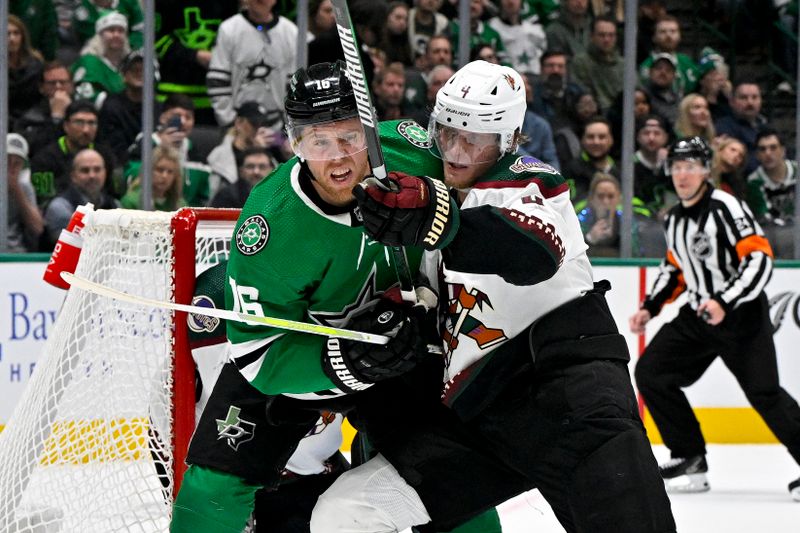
{"x":297,"y":258}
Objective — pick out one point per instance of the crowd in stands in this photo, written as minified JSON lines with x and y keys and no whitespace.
{"x":76,"y":74}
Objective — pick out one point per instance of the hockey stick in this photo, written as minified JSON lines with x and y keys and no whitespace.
{"x":369,"y":119}
{"x":291,"y":325}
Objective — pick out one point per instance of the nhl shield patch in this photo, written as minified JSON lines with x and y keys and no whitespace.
{"x":414,"y":133}
{"x":252,"y":235}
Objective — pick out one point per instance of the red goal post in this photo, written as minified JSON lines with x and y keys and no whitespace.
{"x":98,"y":440}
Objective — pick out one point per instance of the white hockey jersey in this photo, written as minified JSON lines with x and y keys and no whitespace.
{"x":519,"y":253}
{"x":251,"y":63}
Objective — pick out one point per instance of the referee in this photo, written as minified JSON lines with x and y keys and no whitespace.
{"x":717,"y":253}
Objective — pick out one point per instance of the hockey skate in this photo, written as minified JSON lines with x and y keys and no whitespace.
{"x":685,"y":474}
{"x":794,"y":489}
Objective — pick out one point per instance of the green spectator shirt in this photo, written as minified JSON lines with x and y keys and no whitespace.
{"x":769,"y":200}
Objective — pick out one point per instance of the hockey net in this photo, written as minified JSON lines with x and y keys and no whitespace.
{"x":98,"y":440}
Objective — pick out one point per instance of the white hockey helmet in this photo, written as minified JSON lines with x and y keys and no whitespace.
{"x":480,"y":98}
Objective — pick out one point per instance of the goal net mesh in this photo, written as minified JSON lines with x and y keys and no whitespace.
{"x":89,"y":446}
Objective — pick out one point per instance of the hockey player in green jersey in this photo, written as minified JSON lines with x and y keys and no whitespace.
{"x":299,"y":253}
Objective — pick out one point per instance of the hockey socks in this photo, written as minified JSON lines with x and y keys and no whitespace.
{"x":212,"y":501}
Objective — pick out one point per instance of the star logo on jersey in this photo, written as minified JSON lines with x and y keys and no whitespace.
{"x":461,"y":303}
{"x":252,"y":235}
{"x":701,"y":246}
{"x":414,"y":133}
{"x":259,"y":71}
{"x":236,"y":431}
{"x":366,"y":299}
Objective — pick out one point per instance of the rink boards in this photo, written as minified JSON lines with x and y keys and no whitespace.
{"x":29,"y":307}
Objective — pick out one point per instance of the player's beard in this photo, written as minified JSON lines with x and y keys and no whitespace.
{"x":334,"y":180}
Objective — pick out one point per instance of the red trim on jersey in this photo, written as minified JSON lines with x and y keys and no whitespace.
{"x":547,"y":192}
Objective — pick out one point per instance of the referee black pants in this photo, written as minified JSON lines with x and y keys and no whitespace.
{"x":681,"y":352}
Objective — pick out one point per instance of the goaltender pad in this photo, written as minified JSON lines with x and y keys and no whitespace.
{"x":98,"y":440}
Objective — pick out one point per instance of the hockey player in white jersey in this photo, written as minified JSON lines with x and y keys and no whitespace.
{"x":536,"y":390}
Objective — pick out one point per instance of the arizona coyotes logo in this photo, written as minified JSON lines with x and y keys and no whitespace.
{"x":460,"y":322}
{"x":511,"y":81}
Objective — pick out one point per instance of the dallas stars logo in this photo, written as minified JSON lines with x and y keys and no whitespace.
{"x":235,"y":430}
{"x":414,"y":133}
{"x":258,"y":71}
{"x":252,"y":235}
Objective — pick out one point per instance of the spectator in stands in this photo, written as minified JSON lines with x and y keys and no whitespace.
{"x":87,"y":184}
{"x":713,"y":83}
{"x":609,"y":8}
{"x":96,"y":72}
{"x":480,"y":32}
{"x":24,"y":69}
{"x":184,"y":61}
{"x":39,"y":17}
{"x":42,"y":123}
{"x":485,"y":52}
{"x":51,"y":166}
{"x":666,"y":40}
{"x":694,"y":118}
{"x":121,"y":115}
{"x":728,"y":166}
{"x":252,"y":61}
{"x":167,"y":182}
{"x":660,"y":87}
{"x":175,"y":125}
{"x":390,"y":84}
{"x":650,"y":183}
{"x":86,"y":15}
{"x":596,"y":143}
{"x":600,"y":69}
{"x":438,"y":51}
{"x":320,"y":17}
{"x":599,"y":216}
{"x":249,"y":130}
{"x":554,"y":94}
{"x":650,"y":12}
{"x":437,"y":77}
{"x":394,"y":39}
{"x":745,"y":119}
{"x":568,"y":138}
{"x":256,"y":165}
{"x":570,"y":31}
{"x":641,"y":108}
{"x":771,"y":187}
{"x":425,"y":21}
{"x":537,"y":137}
{"x":25,"y":222}
{"x":524,"y":39}
{"x":771,"y":192}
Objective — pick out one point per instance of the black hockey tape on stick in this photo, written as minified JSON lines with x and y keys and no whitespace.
{"x":369,"y":119}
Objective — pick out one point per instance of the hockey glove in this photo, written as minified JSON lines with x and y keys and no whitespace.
{"x":354,"y":366}
{"x":419,"y":212}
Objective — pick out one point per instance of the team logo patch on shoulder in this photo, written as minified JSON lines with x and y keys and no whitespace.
{"x":201,"y":323}
{"x":252,"y":235}
{"x":527,"y":163}
{"x":414,"y":133}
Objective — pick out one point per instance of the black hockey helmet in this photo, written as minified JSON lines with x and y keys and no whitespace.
{"x":320,"y":93}
{"x":689,"y":148}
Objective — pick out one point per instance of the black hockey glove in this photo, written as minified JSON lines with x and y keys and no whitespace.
{"x":419,"y":212}
{"x":354,"y":366}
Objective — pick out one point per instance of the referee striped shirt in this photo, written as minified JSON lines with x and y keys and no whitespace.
{"x":715,"y":249}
